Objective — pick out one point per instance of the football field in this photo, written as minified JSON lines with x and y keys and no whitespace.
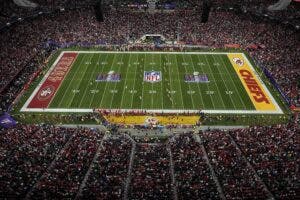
{"x":173,"y":82}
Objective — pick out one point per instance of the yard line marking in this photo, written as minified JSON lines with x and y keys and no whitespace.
{"x":179,"y":80}
{"x":219,"y":94}
{"x":188,"y":84}
{"x":75,"y":110}
{"x":207,"y":85}
{"x":101,"y":71}
{"x":263,"y":84}
{"x":225,"y":85}
{"x":115,"y":83}
{"x":106,"y":82}
{"x":143,"y":83}
{"x":69,"y":84}
{"x":149,"y":52}
{"x":125,"y":85}
{"x":167,"y":53}
{"x":152,"y":83}
{"x":170,"y":77}
{"x":220,"y":58}
{"x":196,"y":83}
{"x":132,"y":95}
{"x":161,"y":83}
{"x":90,"y":79}
{"x":42,"y":82}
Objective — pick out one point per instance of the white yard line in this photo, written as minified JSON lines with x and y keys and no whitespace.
{"x":42,"y":82}
{"x":224,"y":84}
{"x":170,"y":80}
{"x":219,"y":94}
{"x":101,"y":71}
{"x":115,"y":83}
{"x":70,"y":85}
{"x":66,"y":110}
{"x":236,"y":90}
{"x":63,"y":80}
{"x":161,"y":84}
{"x":152,"y":83}
{"x":179,"y":81}
{"x":188,"y":84}
{"x":57,"y":110}
{"x":125,"y":85}
{"x":90,"y":79}
{"x":207,"y":85}
{"x":134,"y":78}
{"x":112,"y":64}
{"x":149,"y":52}
{"x":278,"y":109}
{"x":192,"y":63}
{"x":143,"y":83}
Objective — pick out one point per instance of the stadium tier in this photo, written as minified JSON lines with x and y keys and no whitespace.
{"x":149,"y":99}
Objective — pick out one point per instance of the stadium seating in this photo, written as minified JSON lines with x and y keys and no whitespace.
{"x":49,"y":162}
{"x":279,"y":50}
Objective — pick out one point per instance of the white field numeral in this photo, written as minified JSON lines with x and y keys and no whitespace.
{"x":210,"y":92}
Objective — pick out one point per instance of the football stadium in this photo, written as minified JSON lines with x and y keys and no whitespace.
{"x":149,"y":99}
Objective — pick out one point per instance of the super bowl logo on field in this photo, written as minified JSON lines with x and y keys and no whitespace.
{"x":152,"y":76}
{"x":46,"y":92}
{"x":238,"y":61}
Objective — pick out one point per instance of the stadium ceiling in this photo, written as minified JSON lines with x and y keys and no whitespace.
{"x":280,"y":5}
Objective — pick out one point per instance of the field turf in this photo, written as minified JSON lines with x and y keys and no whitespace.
{"x":80,"y":90}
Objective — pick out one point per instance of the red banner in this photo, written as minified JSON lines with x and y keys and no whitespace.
{"x":48,"y":89}
{"x":236,"y":46}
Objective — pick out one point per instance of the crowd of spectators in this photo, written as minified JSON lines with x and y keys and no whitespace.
{"x":49,"y":162}
{"x":232,"y":171}
{"x":26,"y":152}
{"x":24,"y":50}
{"x":274,"y":154}
{"x":46,"y":161}
{"x":192,"y":174}
{"x":109,"y":173}
{"x":151,"y":175}
{"x":63,"y":178}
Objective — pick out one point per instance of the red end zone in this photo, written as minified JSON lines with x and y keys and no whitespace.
{"x":50,"y":86}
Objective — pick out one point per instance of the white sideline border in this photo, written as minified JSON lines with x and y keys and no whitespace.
{"x":77,"y":110}
{"x":24,"y":108}
{"x":83,"y":110}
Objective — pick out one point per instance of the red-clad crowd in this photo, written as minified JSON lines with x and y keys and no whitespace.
{"x":46,"y":162}
{"x":24,"y":50}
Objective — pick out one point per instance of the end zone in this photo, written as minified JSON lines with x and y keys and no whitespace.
{"x":257,"y":91}
{"x":46,"y":90}
{"x":43,"y":94}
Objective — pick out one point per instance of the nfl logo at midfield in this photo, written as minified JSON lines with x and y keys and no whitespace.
{"x":152,"y":76}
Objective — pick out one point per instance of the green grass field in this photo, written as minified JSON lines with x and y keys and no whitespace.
{"x":80,"y":90}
